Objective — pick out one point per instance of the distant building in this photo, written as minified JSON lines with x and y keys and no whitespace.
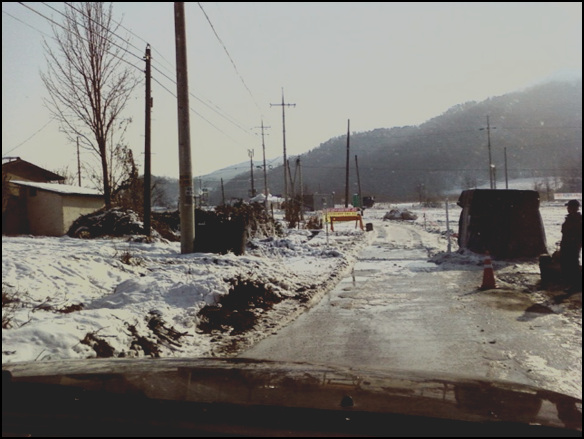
{"x":315,"y":202}
{"x":32,"y":203}
{"x":273,"y":201}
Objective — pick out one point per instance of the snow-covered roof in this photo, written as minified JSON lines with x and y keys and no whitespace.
{"x":260,"y":198}
{"x":64,"y":189}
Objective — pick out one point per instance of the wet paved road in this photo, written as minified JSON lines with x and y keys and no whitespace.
{"x":396,"y":310}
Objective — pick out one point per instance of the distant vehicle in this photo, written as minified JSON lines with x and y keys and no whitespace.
{"x":237,"y":397}
{"x":368,"y":201}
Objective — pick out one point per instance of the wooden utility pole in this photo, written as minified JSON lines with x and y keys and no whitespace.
{"x":222,"y":193}
{"x":299,"y":166}
{"x":491,"y":167}
{"x":506,"y":174}
{"x":285,"y":163}
{"x":187,"y":211}
{"x":147,"y":140}
{"x":358,"y":182}
{"x":292,"y":181}
{"x":250,"y":153}
{"x":78,"y":164}
{"x":347,"y":167}
{"x":449,"y":248}
{"x":265,"y":170}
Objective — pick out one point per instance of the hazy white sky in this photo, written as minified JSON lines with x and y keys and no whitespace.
{"x":378,"y":65}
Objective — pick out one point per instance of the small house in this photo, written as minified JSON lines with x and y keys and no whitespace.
{"x":33,"y":203}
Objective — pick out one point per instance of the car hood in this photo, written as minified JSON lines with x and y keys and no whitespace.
{"x":255,"y":383}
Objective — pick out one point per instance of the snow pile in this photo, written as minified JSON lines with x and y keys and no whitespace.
{"x":112,"y":222}
{"x":75,"y":298}
{"x":400,"y":214}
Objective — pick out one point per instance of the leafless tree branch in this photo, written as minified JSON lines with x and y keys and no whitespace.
{"x":88,"y":84}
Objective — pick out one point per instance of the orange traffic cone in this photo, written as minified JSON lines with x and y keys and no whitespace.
{"x":488,"y":274}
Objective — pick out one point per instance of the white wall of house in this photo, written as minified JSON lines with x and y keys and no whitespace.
{"x":51,"y":214}
{"x":76,"y":205}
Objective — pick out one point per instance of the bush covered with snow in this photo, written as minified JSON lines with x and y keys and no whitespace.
{"x":225,"y":223}
{"x":113,"y":222}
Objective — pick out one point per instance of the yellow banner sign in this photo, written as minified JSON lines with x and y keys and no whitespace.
{"x":344,"y":213}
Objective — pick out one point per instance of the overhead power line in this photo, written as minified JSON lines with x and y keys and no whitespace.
{"x":218,"y":111}
{"x":31,"y":136}
{"x":66,"y":30}
{"x":25,"y":23}
{"x":104,"y":27}
{"x":229,"y":56}
{"x":192,"y":109}
{"x":139,"y":60}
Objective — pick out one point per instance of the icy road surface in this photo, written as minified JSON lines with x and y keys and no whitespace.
{"x":397,"y":310}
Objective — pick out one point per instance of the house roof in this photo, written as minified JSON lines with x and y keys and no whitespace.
{"x":29,"y":171}
{"x":63,"y":189}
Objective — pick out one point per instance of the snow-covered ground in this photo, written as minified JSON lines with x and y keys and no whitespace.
{"x":56,"y":291}
{"x":68,"y":298}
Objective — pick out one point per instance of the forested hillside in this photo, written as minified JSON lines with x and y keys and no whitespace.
{"x":539,"y":130}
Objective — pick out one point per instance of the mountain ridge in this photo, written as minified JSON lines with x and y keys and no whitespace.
{"x":536,"y":132}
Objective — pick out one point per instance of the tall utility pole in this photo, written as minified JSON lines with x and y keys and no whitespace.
{"x":358,"y":182}
{"x":222,"y":193}
{"x":147,"y":137}
{"x":187,"y":211}
{"x":491,"y":167}
{"x":78,"y":164}
{"x":250,"y":153}
{"x":490,"y":155}
{"x":449,"y":248}
{"x":292,"y":180}
{"x":265,"y":170}
{"x":347,"y":168}
{"x":506,"y":174}
{"x":285,"y":163}
{"x":298,"y":165}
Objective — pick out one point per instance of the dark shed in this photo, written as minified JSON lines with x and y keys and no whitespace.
{"x":506,"y":223}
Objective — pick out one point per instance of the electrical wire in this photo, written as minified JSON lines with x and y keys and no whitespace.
{"x":30,"y":137}
{"x":217,"y":109}
{"x":66,"y":30}
{"x":229,"y":56}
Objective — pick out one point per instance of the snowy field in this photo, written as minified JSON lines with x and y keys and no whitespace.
{"x":68,"y":298}
{"x":57,"y":292}
{"x":434,"y":219}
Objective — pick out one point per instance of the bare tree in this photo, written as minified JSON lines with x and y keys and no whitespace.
{"x":89,"y":83}
{"x":70,"y":177}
